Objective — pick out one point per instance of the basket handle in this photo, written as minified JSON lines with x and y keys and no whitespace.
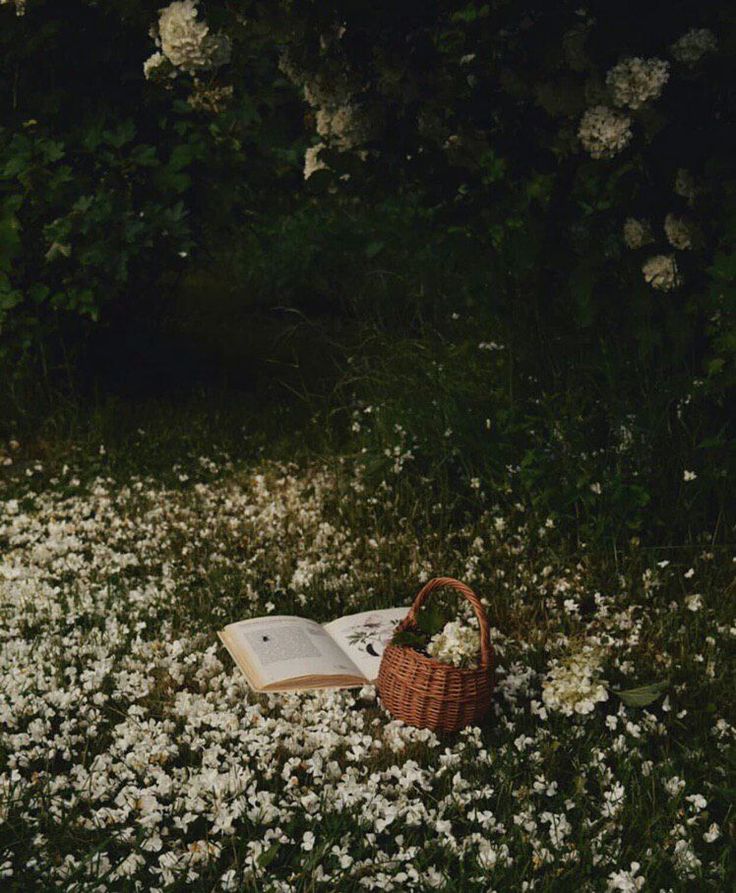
{"x":486,"y":649}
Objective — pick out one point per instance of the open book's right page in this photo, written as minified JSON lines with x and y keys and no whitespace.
{"x":364,"y":636}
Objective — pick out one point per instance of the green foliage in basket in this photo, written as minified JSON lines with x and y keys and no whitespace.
{"x":431,"y":620}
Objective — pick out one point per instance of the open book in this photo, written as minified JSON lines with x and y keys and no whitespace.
{"x":284,"y":653}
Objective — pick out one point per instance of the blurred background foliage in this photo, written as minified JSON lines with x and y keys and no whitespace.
{"x":449,"y":291}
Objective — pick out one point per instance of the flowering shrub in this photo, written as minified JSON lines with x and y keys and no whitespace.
{"x":185,"y":43}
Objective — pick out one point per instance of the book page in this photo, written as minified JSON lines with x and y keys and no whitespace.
{"x":364,"y":636}
{"x":285,"y":648}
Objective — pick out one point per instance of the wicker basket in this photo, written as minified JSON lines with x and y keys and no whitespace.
{"x":427,"y":693}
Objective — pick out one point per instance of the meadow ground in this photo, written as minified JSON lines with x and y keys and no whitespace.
{"x":133,"y":756}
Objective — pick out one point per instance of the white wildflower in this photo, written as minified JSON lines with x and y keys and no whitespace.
{"x":626,"y":881}
{"x":712,"y":834}
{"x":604,"y":132}
{"x":674,"y":785}
{"x":692,"y":46}
{"x":487,"y":855}
{"x":694,"y":602}
{"x":635,"y":81}
{"x":128,"y":867}
{"x":688,"y":475}
{"x":308,"y":841}
{"x":661,"y":272}
{"x":637,"y":233}
{"x":613,"y":801}
{"x":685,"y":860}
{"x":698,"y":801}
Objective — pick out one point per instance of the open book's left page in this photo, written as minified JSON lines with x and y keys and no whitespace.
{"x":288,"y":653}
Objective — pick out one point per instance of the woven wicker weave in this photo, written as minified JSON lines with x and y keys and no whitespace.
{"x":427,"y":693}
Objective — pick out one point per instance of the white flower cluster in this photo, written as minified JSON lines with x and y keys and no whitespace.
{"x":626,"y":881}
{"x":661,"y":272}
{"x":185,"y":42}
{"x":574,"y":685}
{"x":341,"y":120}
{"x":312,"y":161}
{"x":692,"y":46}
{"x":20,"y":5}
{"x":157,"y":65}
{"x":604,"y":132}
{"x":635,"y":81}
{"x":344,"y":125}
{"x":457,"y":644}
{"x":637,"y":233}
{"x":680,"y":232}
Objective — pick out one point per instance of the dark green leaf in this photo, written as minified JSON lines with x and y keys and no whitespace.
{"x":643,"y":695}
{"x":411,"y":638}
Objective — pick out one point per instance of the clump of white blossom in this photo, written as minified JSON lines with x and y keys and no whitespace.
{"x":692,"y":46}
{"x":680,"y":232}
{"x":20,"y":5}
{"x":157,"y":65}
{"x":345,"y":125}
{"x":312,"y":161}
{"x":574,"y":684}
{"x":637,"y":233}
{"x":626,"y":881}
{"x":660,"y":271}
{"x":457,"y":643}
{"x":342,"y":119}
{"x":636,"y":81}
{"x":185,"y":42}
{"x":604,"y":132}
